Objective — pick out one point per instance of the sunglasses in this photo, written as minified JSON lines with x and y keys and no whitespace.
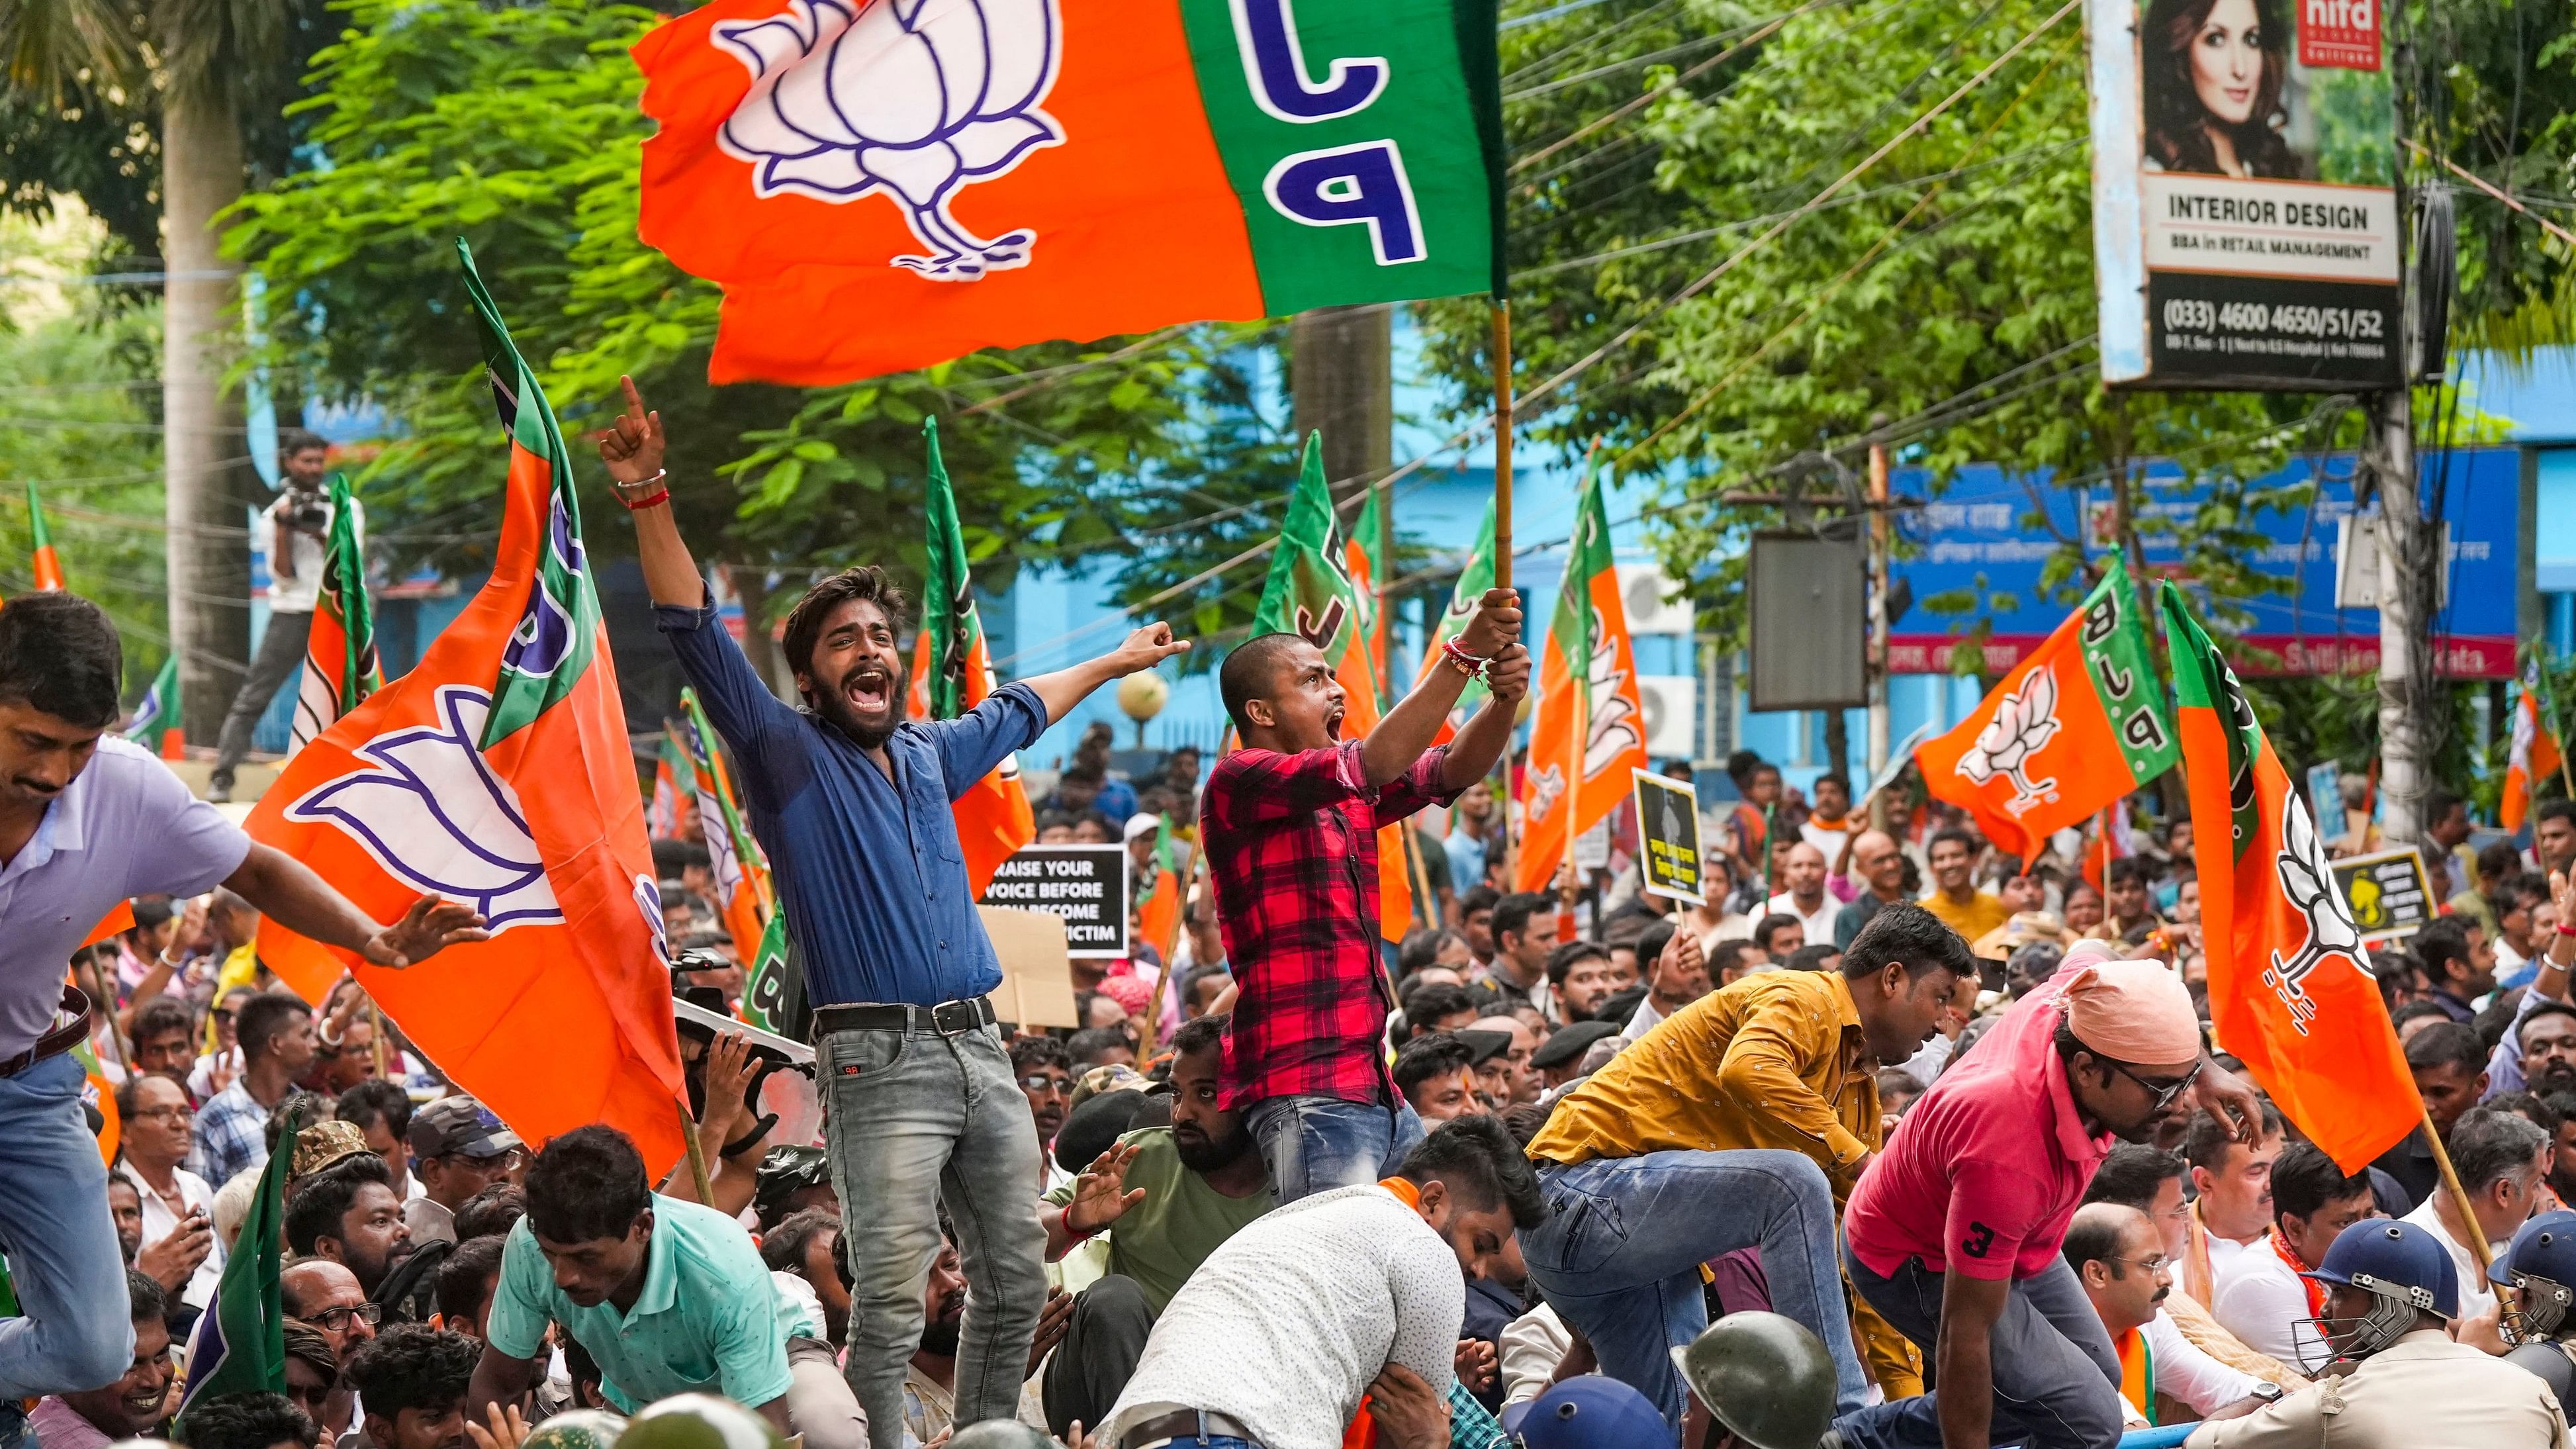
{"x":2163,"y":1092}
{"x":1039,"y":1085}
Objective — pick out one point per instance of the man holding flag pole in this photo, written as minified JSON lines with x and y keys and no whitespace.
{"x":853,"y":804}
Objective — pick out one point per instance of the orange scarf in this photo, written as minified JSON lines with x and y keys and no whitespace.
{"x":2316,"y":1291}
{"x":2137,"y":1372}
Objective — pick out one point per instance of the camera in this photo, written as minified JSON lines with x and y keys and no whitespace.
{"x":310,"y":512}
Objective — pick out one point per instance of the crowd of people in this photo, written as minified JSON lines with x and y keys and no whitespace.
{"x":1891,"y":1141}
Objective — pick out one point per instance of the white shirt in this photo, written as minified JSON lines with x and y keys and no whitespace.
{"x":2476,"y":1296}
{"x":2223,"y":1251}
{"x":160,"y":1222}
{"x":1646,"y":1019}
{"x":1283,"y":1327}
{"x":298,"y":593}
{"x":1532,"y":1346}
{"x":1819,"y":926}
{"x":1829,"y":841}
{"x":2259,"y":1298}
{"x":124,"y":827}
{"x":2189,"y":1374}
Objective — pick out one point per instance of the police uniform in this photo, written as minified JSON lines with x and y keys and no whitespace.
{"x":2421,"y":1392}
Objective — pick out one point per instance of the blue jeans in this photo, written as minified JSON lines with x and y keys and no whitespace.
{"x":1618,"y":1257}
{"x":2056,"y":1376}
{"x":917,"y":1119}
{"x":61,"y":1243}
{"x":1315,"y":1144}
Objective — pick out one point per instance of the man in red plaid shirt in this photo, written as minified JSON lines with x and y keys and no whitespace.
{"x":1290,"y":824}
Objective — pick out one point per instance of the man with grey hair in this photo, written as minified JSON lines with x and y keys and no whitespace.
{"x":2503,"y":1160}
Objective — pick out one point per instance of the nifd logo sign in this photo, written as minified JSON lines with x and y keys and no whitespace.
{"x":2339,"y":34}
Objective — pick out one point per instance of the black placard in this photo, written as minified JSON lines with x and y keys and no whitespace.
{"x":1085,"y":884}
{"x":2387,"y":892}
{"x":1668,"y":834}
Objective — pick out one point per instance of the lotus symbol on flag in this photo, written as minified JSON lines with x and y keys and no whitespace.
{"x":430,"y":811}
{"x":1545,"y":788}
{"x":917,"y":99}
{"x":2308,"y":883}
{"x":2024,"y":723}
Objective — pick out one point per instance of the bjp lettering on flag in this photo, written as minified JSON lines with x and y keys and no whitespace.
{"x":1590,"y":730}
{"x":2291,"y":992}
{"x":2071,"y":730}
{"x":986,"y":173}
{"x":498,"y":773}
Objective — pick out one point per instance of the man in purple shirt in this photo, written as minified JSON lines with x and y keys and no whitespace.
{"x":85,"y":823}
{"x":851,"y":802}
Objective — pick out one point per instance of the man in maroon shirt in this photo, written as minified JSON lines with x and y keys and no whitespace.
{"x":1290,"y":825}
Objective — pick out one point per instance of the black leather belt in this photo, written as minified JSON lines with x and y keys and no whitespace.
{"x":948,"y":1018}
{"x":1188,"y":1426}
{"x":58,"y":1041}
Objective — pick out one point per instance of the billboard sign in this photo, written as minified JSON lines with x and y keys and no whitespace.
{"x":2245,"y":222}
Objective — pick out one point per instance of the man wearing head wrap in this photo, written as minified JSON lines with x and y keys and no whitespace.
{"x":1954,"y":1233}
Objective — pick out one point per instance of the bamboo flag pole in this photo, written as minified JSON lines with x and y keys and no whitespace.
{"x":1503,"y":518}
{"x":697,"y":1152}
{"x":376,"y":1018}
{"x":2459,"y":1197}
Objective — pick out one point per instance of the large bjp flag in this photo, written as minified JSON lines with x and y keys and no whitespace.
{"x":498,"y":773}
{"x":952,"y":672}
{"x":1309,"y":593}
{"x":1590,"y":728}
{"x":2069,"y":732}
{"x":2290,"y":990}
{"x":884,"y":184}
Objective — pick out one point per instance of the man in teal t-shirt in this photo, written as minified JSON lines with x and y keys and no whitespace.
{"x":1175,"y":1195}
{"x":666,"y":1297}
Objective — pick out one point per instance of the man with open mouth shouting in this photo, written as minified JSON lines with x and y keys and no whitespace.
{"x":851,"y":801}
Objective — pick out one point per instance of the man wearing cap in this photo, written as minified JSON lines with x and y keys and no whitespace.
{"x":458,"y":1149}
{"x":1757,"y":1105}
{"x":1559,"y":1059}
{"x":1954,"y":1233}
{"x":2390,"y":1293}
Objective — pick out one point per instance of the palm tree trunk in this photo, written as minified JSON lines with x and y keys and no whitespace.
{"x":206,"y":488}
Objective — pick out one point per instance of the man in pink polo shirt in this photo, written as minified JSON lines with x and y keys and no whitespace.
{"x":1953,"y":1233}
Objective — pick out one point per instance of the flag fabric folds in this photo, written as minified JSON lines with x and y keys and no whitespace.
{"x":498,"y":773}
{"x":2534,"y":754}
{"x":744,"y":895}
{"x":1368,"y":576}
{"x":1095,"y":167}
{"x":673,"y":811}
{"x":340,"y":668}
{"x":1310,"y":593}
{"x":239,"y":1345}
{"x":952,"y":672}
{"x":1158,"y":913}
{"x":42,"y":561}
{"x":1473,"y":580}
{"x":2291,"y":992}
{"x":158,"y":721}
{"x":2069,"y":731}
{"x":1589,"y":731}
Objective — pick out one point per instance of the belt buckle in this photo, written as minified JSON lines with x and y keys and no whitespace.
{"x":962,"y":1012}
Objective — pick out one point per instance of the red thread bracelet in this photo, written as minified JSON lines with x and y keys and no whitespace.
{"x":658,"y":497}
{"x":1467,"y":664}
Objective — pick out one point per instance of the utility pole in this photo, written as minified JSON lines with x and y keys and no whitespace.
{"x":1877,"y":656}
{"x":2409,"y":577}
{"x":1341,"y":382}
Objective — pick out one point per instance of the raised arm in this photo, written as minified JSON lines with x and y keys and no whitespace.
{"x":1408,"y":729}
{"x":1144,"y":649}
{"x":631,"y":448}
{"x":287,"y":891}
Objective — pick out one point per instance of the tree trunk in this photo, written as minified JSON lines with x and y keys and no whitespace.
{"x":2409,"y":575}
{"x":1838,"y":746}
{"x":206,"y":491}
{"x":1341,"y":381}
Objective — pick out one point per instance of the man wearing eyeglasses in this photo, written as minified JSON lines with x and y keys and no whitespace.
{"x":1954,"y":1232}
{"x":2118,"y":1255}
{"x":178,"y":1206}
{"x":458,"y":1149}
{"x":325,"y":1294}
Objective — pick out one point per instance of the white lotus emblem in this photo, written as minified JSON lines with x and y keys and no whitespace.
{"x":2024,"y":723}
{"x":431,"y":811}
{"x":2308,"y":881}
{"x":916,"y":99}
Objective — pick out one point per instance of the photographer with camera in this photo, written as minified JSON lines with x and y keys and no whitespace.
{"x":299,"y":530}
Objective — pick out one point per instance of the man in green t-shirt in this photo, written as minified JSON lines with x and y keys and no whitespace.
{"x":1175,"y":1193}
{"x":666,"y":1297}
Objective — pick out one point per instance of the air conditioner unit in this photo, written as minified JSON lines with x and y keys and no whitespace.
{"x":1672,"y":714}
{"x":1642,"y":591}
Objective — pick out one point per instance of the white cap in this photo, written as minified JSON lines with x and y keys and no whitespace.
{"x":1143,"y":823}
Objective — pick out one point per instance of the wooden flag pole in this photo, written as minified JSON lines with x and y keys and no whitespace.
{"x":2459,"y":1196}
{"x":1503,"y":520}
{"x":2542,"y":705}
{"x":376,"y":1018}
{"x":1163,"y":978}
{"x":697,"y":1152}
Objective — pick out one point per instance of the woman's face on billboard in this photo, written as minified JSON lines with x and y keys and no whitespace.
{"x":2227,"y":61}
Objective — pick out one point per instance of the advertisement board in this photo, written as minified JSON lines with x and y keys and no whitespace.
{"x":2245,"y":221}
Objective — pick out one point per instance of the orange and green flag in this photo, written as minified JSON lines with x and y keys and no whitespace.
{"x":1158,"y":915}
{"x":1310,"y":593}
{"x":2291,"y":992}
{"x":1474,"y":579}
{"x":2534,"y":754}
{"x":673,"y":812}
{"x":158,"y":721}
{"x":2070,"y":731}
{"x":952,"y":672}
{"x":744,"y":894}
{"x":1368,"y":574}
{"x":43,"y":562}
{"x":881,"y":187}
{"x":498,"y":773}
{"x":1589,"y":731}
{"x":340,"y":668}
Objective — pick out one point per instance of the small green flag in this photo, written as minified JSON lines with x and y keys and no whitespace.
{"x":240,"y":1343}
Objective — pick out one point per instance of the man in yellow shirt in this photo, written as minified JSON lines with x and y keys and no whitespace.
{"x":1955,"y":897}
{"x":1742,"y":1120}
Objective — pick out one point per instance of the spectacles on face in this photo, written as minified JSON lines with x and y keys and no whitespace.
{"x":1041,"y":1086}
{"x":2163,"y":1092}
{"x":333,"y":1320}
{"x":2150,"y":1265}
{"x":175,"y":1116}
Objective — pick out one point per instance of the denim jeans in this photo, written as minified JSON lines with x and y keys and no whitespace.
{"x":1619,"y":1255}
{"x":60,"y":1241}
{"x":1315,"y":1144}
{"x":914,"y":1119}
{"x":280,"y":659}
{"x":2056,"y":1376}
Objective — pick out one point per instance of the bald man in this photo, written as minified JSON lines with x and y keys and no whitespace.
{"x":2119,"y":1257}
{"x":1802,"y":869}
{"x":1879,"y":868}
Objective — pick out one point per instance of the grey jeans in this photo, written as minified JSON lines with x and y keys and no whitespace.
{"x":915,"y":1119}
{"x":820,"y":1406}
{"x":2056,"y":1376}
{"x":280,"y":659}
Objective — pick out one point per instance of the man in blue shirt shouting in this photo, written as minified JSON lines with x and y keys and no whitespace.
{"x":851,"y":801}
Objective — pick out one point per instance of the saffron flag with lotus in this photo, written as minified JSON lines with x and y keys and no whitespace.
{"x":498,"y":773}
{"x":1590,"y":729}
{"x":2534,"y":753}
{"x":884,"y":184}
